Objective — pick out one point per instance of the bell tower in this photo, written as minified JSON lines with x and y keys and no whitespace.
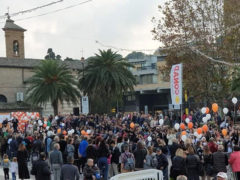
{"x":14,"y":38}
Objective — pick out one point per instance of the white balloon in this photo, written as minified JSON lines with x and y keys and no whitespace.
{"x":204,"y":119}
{"x":187,"y":120}
{"x":234,"y":100}
{"x":63,"y":124}
{"x":47,"y":128}
{"x":208,"y":116}
{"x":161,"y":122}
{"x":89,"y":131}
{"x":41,"y":124}
{"x":184,"y":137}
{"x":225,"y":110}
{"x":149,"y":138}
{"x":72,"y":130}
{"x":176,"y":126}
{"x":45,"y":122}
{"x":25,"y":118}
{"x":203,"y":110}
{"x":32,"y":117}
{"x":39,"y":121}
{"x":56,"y":117}
{"x":34,"y":122}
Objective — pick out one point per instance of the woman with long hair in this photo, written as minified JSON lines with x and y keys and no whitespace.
{"x":139,"y":154}
{"x":103,"y":154}
{"x":178,"y":164}
{"x":22,"y":157}
{"x":207,"y":158}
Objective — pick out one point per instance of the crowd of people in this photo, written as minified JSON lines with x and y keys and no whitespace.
{"x":102,"y":146}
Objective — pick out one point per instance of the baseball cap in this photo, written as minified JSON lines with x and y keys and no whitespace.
{"x":222,"y":175}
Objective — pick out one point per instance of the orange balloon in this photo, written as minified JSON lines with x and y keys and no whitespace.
{"x":0,"y":125}
{"x":184,"y":133}
{"x":214,"y":107}
{"x":64,"y":132}
{"x":83,"y":132}
{"x":59,"y":131}
{"x":44,"y":125}
{"x":205,"y":128}
{"x":190,"y":125}
{"x":182,"y":126}
{"x":207,"y":110}
{"x":199,"y":130}
{"x":132,"y":125}
{"x":224,"y":132}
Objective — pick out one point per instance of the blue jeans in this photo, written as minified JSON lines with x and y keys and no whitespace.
{"x":13,"y":176}
{"x":103,"y":166}
{"x":165,"y":173}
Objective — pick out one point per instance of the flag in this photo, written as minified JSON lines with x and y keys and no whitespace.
{"x":176,"y":84}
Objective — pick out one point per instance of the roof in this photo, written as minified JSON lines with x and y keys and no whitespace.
{"x":9,"y":25}
{"x":31,"y":63}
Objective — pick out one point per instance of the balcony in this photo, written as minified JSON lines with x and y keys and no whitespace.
{"x":145,"y":70}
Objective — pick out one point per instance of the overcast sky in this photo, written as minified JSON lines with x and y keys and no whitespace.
{"x":120,"y":23}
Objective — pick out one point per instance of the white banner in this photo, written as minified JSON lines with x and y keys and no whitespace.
{"x":176,"y":84}
{"x":85,"y":105}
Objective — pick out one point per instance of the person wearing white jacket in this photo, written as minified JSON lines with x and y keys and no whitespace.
{"x":14,"y":168}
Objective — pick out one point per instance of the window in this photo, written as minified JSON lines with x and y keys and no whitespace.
{"x":16,"y":48}
{"x":131,"y":98}
{"x":3,"y":99}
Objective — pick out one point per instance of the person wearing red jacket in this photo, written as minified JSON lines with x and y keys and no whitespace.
{"x":234,"y":161}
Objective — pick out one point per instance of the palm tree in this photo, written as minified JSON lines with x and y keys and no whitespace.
{"x":107,"y":76}
{"x":52,"y":82}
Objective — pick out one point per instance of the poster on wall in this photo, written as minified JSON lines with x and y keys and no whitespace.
{"x":4,"y":116}
{"x":85,"y":105}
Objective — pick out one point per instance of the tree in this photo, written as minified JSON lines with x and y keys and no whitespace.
{"x":52,"y":82}
{"x":195,"y":33}
{"x":51,"y":55}
{"x":135,"y":55}
{"x":106,"y":76}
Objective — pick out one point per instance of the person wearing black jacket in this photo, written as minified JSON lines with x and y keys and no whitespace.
{"x":173,"y":148}
{"x":91,"y":151}
{"x":115,"y":152}
{"x":162,"y":163}
{"x":139,"y":155}
{"x":103,"y":154}
{"x":192,"y":162}
{"x":41,"y":169}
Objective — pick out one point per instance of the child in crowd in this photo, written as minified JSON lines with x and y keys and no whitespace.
{"x":91,"y":172}
{"x":5,"y":164}
{"x":13,"y":168}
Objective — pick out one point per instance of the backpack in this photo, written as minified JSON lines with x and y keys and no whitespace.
{"x":129,"y":164}
{"x":154,"y":161}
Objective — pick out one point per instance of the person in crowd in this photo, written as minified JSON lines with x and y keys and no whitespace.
{"x":70,"y":148}
{"x":41,"y":169}
{"x":82,"y":152}
{"x":63,"y":145}
{"x":127,"y":160}
{"x":212,"y":145}
{"x":103,"y":154}
{"x":222,"y":176}
{"x":69,"y":171}
{"x":208,"y":161}
{"x":55,"y":140}
{"x":56,"y":161}
{"x":139,"y":155}
{"x":171,"y":136}
{"x":22,"y":157}
{"x":5,"y":165}
{"x":48,"y":142}
{"x":220,"y":160}
{"x":150,"y":161}
{"x":162,"y":163}
{"x":76,"y":146}
{"x":234,"y":161}
{"x":13,"y":168}
{"x":192,"y":162}
{"x":173,"y":148}
{"x":115,"y":155}
{"x":91,"y":151}
{"x":90,"y":171}
{"x":178,"y":164}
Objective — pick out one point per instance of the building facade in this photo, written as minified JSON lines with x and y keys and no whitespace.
{"x":15,"y":69}
{"x":152,"y":92}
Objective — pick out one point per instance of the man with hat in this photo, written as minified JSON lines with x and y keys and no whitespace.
{"x":222,"y":176}
{"x":162,"y":163}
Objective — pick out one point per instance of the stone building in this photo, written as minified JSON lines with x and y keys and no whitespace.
{"x":15,"y":69}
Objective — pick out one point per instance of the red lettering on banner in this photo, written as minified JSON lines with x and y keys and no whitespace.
{"x":176,"y":79}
